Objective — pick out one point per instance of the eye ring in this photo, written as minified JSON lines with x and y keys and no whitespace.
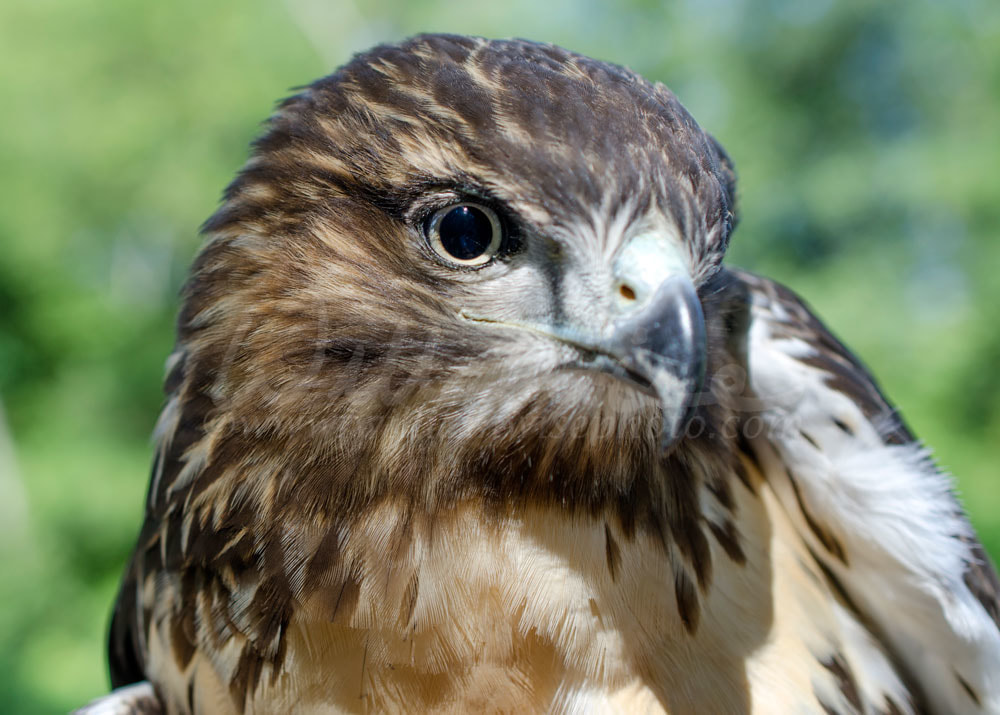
{"x":465,"y":233}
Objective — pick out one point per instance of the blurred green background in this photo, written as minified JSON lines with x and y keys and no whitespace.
{"x":867,"y":136}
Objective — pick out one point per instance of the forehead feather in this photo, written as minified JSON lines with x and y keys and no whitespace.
{"x":541,"y":124}
{"x":471,"y":88}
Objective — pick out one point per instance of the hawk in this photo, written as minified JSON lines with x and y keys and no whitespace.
{"x":466,"y":413}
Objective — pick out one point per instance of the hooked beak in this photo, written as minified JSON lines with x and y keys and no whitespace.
{"x":659,"y":348}
{"x":654,"y":338}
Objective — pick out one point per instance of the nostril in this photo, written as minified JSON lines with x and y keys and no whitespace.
{"x":626,"y":291}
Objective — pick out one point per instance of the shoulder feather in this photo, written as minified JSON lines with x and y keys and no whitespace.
{"x":877,"y":512}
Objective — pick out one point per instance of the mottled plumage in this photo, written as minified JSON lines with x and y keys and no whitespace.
{"x":599,"y":471}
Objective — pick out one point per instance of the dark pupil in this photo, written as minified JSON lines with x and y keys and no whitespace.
{"x":466,"y":232}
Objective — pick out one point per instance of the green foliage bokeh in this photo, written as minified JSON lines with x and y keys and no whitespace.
{"x":866,"y":135}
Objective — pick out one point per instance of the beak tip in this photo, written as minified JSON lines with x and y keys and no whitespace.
{"x":675,"y":424}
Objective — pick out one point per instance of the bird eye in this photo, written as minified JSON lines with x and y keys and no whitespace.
{"x":466,"y":234}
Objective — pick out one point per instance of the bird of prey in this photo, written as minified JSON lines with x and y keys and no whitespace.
{"x":467,"y":413}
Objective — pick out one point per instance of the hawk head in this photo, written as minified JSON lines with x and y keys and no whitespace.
{"x":453,"y":257}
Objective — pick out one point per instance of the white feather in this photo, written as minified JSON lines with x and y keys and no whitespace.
{"x":895,"y":515}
